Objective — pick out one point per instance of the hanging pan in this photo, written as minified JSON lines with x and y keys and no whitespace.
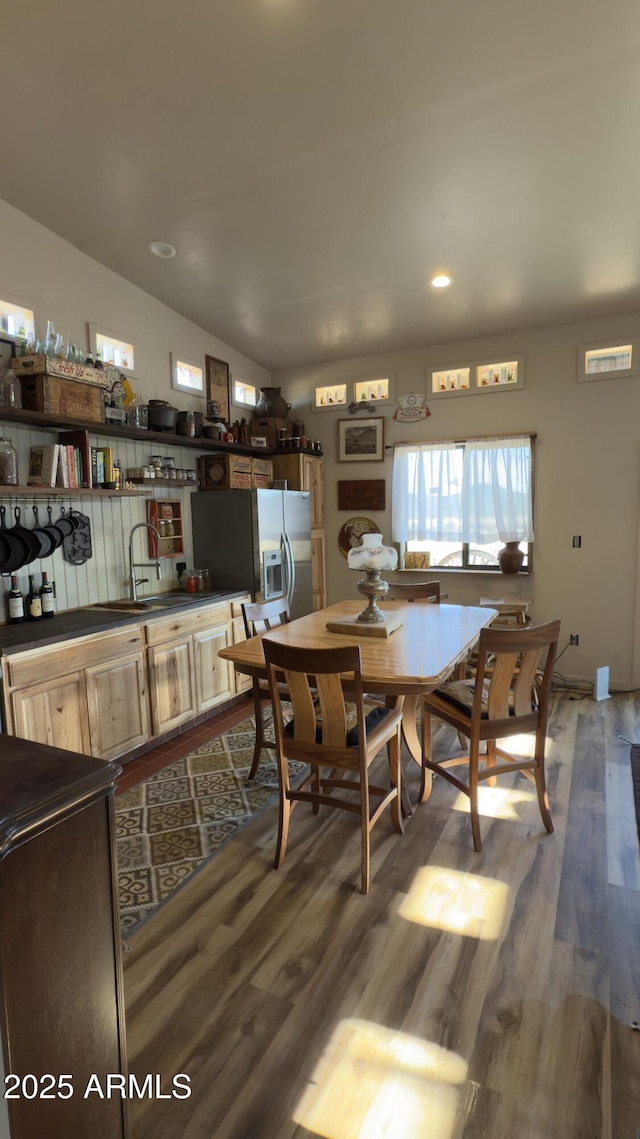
{"x":5,"y":551}
{"x":20,"y":552}
{"x":29,"y":537}
{"x":47,"y":544}
{"x":54,"y":531}
{"x":66,"y":523}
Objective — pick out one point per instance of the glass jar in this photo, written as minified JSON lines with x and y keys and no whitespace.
{"x":8,"y":463}
{"x":206,"y":578}
{"x":200,"y":580}
{"x":191,"y":581}
{"x":162,"y":527}
{"x":10,"y":390}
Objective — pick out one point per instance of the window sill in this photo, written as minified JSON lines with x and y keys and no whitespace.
{"x":482,"y":571}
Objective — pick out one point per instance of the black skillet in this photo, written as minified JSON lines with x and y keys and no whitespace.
{"x":5,"y":551}
{"x":66,"y":523}
{"x":20,"y":551}
{"x":54,"y":532}
{"x":29,"y":537}
{"x":47,"y":543}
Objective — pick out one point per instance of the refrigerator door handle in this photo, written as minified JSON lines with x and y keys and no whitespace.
{"x":285,"y":566}
{"x":291,"y":570}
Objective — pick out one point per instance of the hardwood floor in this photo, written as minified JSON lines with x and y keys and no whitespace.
{"x":469,"y":995}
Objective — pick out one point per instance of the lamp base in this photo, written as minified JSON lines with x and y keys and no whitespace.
{"x":374,"y":588}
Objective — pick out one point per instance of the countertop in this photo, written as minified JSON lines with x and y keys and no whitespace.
{"x":82,"y":622}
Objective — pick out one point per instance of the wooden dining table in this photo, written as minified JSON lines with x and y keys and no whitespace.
{"x":414,"y":659}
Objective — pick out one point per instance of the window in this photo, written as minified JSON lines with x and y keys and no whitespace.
{"x":476,"y":377}
{"x":16,"y":321}
{"x":244,"y":394}
{"x":113,"y":347}
{"x":609,"y":360}
{"x":187,"y":375}
{"x":456,"y":504}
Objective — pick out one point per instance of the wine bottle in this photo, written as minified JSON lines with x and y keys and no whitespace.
{"x":46,"y":596}
{"x":16,"y":602}
{"x":34,"y":604}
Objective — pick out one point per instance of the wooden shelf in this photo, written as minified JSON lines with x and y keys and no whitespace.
{"x":9,"y":491}
{"x":48,"y":422}
{"x":150,"y":483}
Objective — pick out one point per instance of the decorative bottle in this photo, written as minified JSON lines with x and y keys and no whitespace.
{"x":46,"y":596}
{"x":34,"y":604}
{"x":16,"y":602}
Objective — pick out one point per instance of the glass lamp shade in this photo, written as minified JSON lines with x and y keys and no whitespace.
{"x":372,"y":557}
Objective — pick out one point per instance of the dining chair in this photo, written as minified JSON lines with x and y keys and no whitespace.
{"x":509,"y":695}
{"x":413,"y":591}
{"x":319,"y":735}
{"x":259,"y":617}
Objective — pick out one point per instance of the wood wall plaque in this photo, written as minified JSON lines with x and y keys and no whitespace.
{"x":361,"y":494}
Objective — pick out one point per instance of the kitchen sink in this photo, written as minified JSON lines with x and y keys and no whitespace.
{"x":155,"y":602}
{"x":127,"y":606}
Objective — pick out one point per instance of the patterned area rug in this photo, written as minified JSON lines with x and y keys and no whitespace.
{"x":171,"y":824}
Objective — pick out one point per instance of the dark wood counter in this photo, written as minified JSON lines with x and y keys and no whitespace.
{"x":62,"y":1006}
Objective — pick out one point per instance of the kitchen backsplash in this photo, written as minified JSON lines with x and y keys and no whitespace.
{"x":104,"y":577}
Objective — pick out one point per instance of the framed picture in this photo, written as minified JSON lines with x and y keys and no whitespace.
{"x":259,"y":441}
{"x":361,"y":440}
{"x":217,"y":388}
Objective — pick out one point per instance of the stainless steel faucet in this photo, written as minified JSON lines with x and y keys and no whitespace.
{"x":136,"y":581}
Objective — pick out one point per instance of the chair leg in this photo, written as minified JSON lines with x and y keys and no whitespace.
{"x":257,"y":712}
{"x":395,"y":778}
{"x":364,"y":834}
{"x":474,"y":748}
{"x":541,"y":787}
{"x":284,"y":812}
{"x":426,"y":774}
{"x":491,"y":761}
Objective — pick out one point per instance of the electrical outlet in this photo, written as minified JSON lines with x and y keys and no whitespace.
{"x":577,"y":541}
{"x":574,"y":639}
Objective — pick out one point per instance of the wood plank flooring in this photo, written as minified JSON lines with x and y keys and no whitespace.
{"x":467,"y":995}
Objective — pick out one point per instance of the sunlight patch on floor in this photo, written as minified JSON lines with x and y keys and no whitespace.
{"x":498,"y":802}
{"x":375,"y":1083}
{"x":457,"y":902}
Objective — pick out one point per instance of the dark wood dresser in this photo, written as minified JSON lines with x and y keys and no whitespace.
{"x":62,"y":1011}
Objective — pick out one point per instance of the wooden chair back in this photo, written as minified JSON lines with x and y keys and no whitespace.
{"x":313,"y":682}
{"x":260,"y":616}
{"x":414,"y":591}
{"x":513,"y":678}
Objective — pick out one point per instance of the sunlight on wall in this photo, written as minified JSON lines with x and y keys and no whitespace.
{"x":456,"y":902}
{"x":375,"y":1083}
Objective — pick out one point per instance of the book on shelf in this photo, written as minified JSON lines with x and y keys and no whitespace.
{"x":43,"y":465}
{"x":82,"y":461}
{"x":63,"y":468}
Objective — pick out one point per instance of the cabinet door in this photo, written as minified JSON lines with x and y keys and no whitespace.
{"x":241,"y":682}
{"x":117,"y":701}
{"x":318,"y":584}
{"x":214,"y":676}
{"x":313,"y":482}
{"x":172,"y":688}
{"x":53,"y":713}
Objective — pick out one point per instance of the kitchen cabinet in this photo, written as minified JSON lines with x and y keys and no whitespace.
{"x":109,"y":693}
{"x":61,"y":990}
{"x":117,"y":706}
{"x":305,"y":472}
{"x":172,"y":690}
{"x":87,"y":694}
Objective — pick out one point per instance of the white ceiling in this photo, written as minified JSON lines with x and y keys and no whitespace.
{"x":316,"y":161}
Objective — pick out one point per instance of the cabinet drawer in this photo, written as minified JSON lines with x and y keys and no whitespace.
{"x":236,"y":606}
{"x":69,"y":656}
{"x":182,"y":624}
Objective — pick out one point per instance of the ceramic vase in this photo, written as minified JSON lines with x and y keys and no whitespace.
{"x":510,"y":557}
{"x":270,"y":403}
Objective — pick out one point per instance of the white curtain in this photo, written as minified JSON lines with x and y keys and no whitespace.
{"x":479,"y":492}
{"x":496,"y":491}
{"x":426,"y":490}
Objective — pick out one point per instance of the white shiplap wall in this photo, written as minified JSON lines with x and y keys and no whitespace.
{"x":105,"y":576}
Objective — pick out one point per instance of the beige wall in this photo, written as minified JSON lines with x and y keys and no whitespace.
{"x":587,"y":478}
{"x":71,"y":289}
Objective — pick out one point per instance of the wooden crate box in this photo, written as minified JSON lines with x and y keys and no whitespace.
{"x":67,"y":398}
{"x":224,"y":472}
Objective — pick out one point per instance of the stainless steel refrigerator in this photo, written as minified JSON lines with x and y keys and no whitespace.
{"x":258,"y":540}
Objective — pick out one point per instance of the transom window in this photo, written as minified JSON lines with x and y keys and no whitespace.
{"x":457,"y":503}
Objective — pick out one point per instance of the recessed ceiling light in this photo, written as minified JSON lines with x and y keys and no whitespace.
{"x":442,"y":281}
{"x":161,"y":249}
